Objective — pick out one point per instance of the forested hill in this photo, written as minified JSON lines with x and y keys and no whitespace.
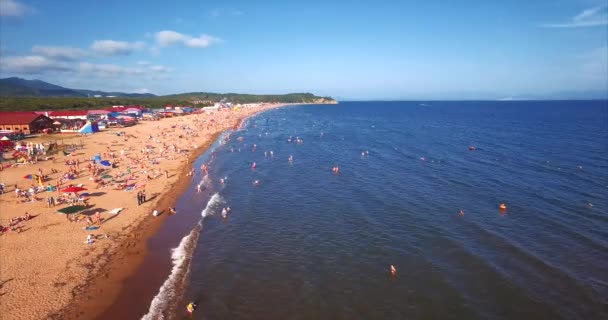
{"x":251,"y":98}
{"x":60,"y":103}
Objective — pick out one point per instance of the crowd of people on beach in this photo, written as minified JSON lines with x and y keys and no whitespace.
{"x":15,"y":224}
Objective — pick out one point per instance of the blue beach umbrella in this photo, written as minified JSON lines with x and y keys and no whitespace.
{"x":105,"y":163}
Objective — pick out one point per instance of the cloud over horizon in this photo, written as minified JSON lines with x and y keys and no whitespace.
{"x":32,"y":65}
{"x":113,"y":48}
{"x":592,"y":17}
{"x":12,"y":8}
{"x":167,"y":38}
{"x":60,"y":53}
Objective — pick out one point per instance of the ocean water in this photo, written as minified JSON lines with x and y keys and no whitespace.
{"x":306,"y":243}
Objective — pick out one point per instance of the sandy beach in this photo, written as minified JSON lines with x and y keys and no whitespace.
{"x":47,"y":268}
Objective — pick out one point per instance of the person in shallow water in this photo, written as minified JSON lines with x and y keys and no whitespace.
{"x":191,"y":307}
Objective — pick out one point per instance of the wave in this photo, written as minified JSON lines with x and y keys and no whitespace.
{"x":213,"y":205}
{"x":181,"y":256}
{"x":169,"y":291}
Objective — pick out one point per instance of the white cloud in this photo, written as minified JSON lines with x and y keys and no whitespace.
{"x":32,"y":65}
{"x":12,"y":8}
{"x":167,"y":38}
{"x":159,"y":69}
{"x":108,"y":70}
{"x":60,"y":53}
{"x":143,"y":63}
{"x":113,"y":48}
{"x":592,"y":17}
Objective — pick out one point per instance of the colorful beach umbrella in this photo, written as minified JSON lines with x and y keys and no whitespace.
{"x":31,"y":176}
{"x":105,"y":163}
{"x":73,"y":189}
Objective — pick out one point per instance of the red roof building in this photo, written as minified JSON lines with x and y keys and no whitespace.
{"x":69,"y":114}
{"x":24,"y":122}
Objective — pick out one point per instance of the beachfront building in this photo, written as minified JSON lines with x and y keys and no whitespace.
{"x":133,"y":111}
{"x":24,"y":122}
{"x":68,"y":115}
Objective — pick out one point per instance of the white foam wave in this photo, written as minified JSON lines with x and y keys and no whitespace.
{"x":206,"y":182}
{"x":181,"y":256}
{"x":213,"y":205}
{"x":181,"y":263}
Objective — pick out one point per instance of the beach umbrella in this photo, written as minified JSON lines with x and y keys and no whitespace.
{"x":106,"y":176}
{"x":73,"y":189}
{"x":31,"y":176}
{"x":71,"y":209}
{"x":105,"y":163}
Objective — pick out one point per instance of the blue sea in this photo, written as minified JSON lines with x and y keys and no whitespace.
{"x":307,"y":243}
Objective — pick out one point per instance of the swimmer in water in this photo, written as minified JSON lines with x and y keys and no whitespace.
{"x":290,"y":159}
{"x":224,"y":213}
{"x":172,"y":210}
{"x":393,"y":271}
{"x":461,"y":213}
{"x":191,"y":307}
{"x":222,"y":180}
{"x":256,"y":182}
{"x":253,"y":166}
{"x":198,"y":188}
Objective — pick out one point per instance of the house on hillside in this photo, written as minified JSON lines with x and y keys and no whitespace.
{"x":24,"y":122}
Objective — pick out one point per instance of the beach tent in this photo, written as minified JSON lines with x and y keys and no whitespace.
{"x":5,"y":138}
{"x":90,"y":127}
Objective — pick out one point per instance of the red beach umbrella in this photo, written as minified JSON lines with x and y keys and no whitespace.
{"x":73,"y":189}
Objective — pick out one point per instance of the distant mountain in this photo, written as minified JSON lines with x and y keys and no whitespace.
{"x":21,"y":87}
{"x":252,"y":98}
{"x":17,"y":87}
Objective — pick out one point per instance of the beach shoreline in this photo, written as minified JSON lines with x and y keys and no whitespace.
{"x":89,"y":280}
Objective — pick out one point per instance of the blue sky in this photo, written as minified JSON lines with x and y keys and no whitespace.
{"x":347,"y":49}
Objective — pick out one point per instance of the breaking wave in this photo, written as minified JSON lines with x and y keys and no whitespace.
{"x":180,"y":256}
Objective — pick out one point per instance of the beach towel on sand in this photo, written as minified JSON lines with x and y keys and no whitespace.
{"x":116,"y":210}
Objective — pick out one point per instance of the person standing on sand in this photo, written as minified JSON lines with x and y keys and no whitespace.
{"x":138,"y":198}
{"x":98,"y":218}
{"x":167,"y":174}
{"x":143,"y":196}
